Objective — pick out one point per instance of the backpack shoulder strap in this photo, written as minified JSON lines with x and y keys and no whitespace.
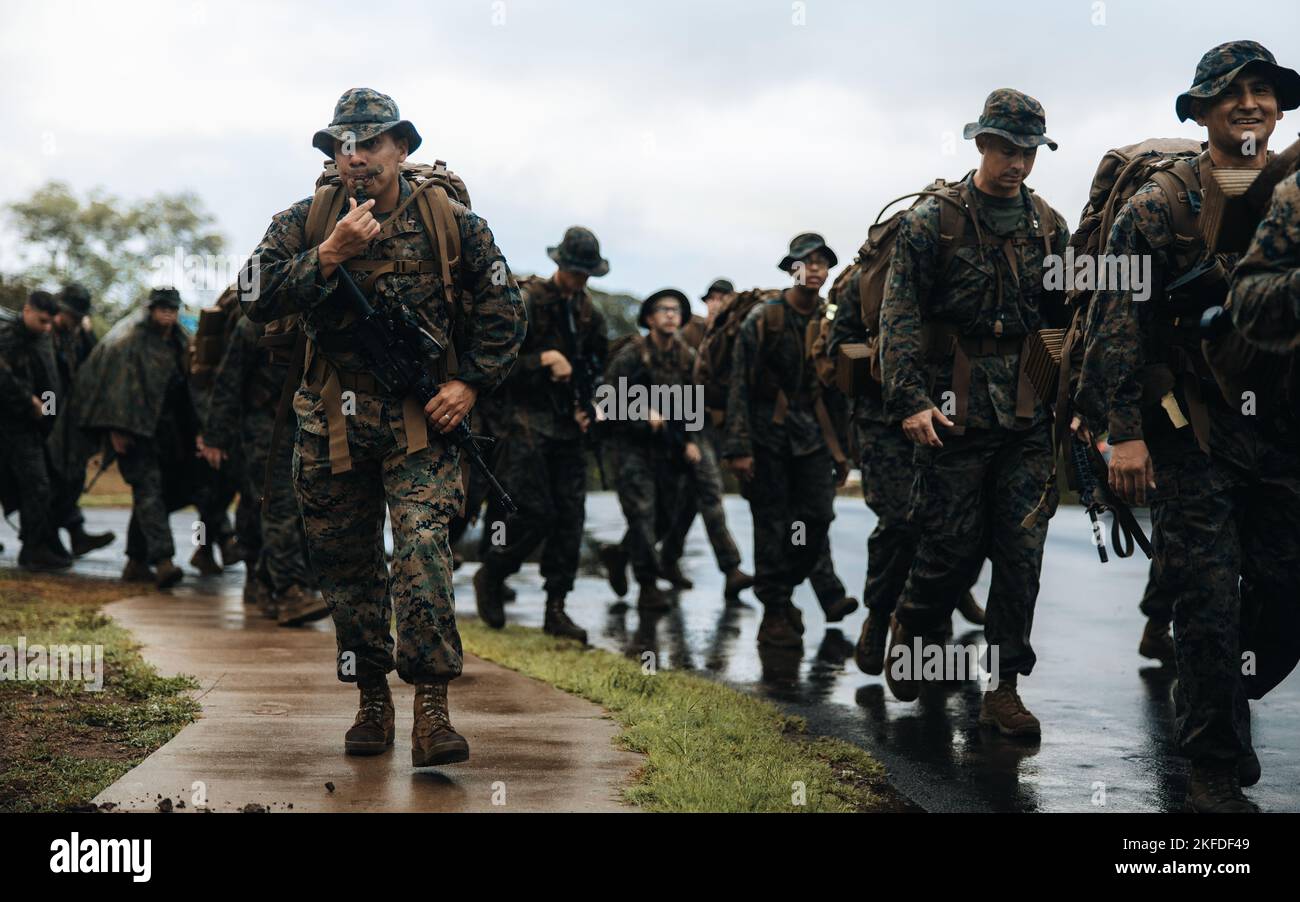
{"x":1182,"y":189}
{"x":1046,"y":222}
{"x":323,"y":214}
{"x":956,"y":208}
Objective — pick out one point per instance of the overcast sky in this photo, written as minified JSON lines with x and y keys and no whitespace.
{"x":695,"y":138}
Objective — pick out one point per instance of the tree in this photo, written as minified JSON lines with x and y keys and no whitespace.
{"x":105,"y":243}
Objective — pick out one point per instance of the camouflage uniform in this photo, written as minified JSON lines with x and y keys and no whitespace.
{"x":705,"y":479}
{"x":68,"y":448}
{"x":241,"y":413}
{"x":972,"y":494}
{"x":792,"y":493}
{"x":27,"y":370}
{"x":1230,"y":515}
{"x":649,"y":478}
{"x":1265,"y":295}
{"x":886,"y":462}
{"x":135,"y":382}
{"x":542,"y":459}
{"x":343,"y":512}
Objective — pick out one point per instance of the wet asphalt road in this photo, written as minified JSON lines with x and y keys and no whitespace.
{"x":1106,"y":712}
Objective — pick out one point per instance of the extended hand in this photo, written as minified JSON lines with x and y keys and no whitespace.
{"x":692,"y":453}
{"x":213,"y":456}
{"x":1131,"y":473}
{"x":919,"y":427}
{"x":583,"y":421}
{"x":451,"y":405}
{"x":350,"y":237}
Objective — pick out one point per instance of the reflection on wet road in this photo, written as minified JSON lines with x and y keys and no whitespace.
{"x":1106,"y":714}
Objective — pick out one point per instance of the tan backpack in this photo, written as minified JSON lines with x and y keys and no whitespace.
{"x":713,"y":359}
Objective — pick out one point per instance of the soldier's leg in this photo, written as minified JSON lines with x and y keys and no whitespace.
{"x":567,"y":477}
{"x":948,"y":513}
{"x":886,"y":487}
{"x":1200,"y":550}
{"x":812,"y":508}
{"x":25,"y":459}
{"x":1020,"y":468}
{"x":282,"y":556}
{"x":343,"y":516}
{"x":769,"y":503}
{"x":525,"y":470}
{"x":1158,"y":606}
{"x":1269,"y":521}
{"x":635,"y":481}
{"x":424,"y":493}
{"x":140,"y":468}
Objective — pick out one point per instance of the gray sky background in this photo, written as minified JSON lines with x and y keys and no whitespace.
{"x":695,"y":138}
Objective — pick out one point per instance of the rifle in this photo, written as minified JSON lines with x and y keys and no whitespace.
{"x":399,"y":350}
{"x":106,"y":458}
{"x":586,"y":376}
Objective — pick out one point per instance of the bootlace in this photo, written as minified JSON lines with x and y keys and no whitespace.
{"x":433,"y":704}
{"x":373,"y":702}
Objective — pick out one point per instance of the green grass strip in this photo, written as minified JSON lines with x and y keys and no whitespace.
{"x":62,"y":745}
{"x":708,"y":747}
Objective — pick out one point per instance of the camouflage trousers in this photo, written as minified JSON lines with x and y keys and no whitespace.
{"x":703,"y":496}
{"x":1157,"y":601}
{"x":149,"y":534}
{"x":27,"y":463}
{"x":887,"y":487}
{"x":887,"y":464}
{"x":547,"y":478}
{"x":282,"y":541}
{"x":343,"y":515}
{"x":650,"y":489}
{"x":792,"y":501}
{"x":1228,"y":539}
{"x":968,"y":500}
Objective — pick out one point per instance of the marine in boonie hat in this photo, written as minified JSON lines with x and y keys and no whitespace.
{"x":75,"y":299}
{"x":361,"y":114}
{"x":165,"y":297}
{"x":1218,"y":68}
{"x":803,"y":245}
{"x":579,"y":251}
{"x":719,"y":286}
{"x":648,"y":305}
{"x":1012,"y":115}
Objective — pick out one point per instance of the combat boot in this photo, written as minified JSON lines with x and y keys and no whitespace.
{"x":487,"y":598}
{"x":258,"y":594}
{"x":651,"y":599}
{"x":1003,"y":709}
{"x":85,"y":542}
{"x":166,"y":575}
{"x":615,"y":560}
{"x":737,"y":581}
{"x":42,"y":558}
{"x":1157,"y":644}
{"x":296,"y":606}
{"x":137,"y":571}
{"x":673,"y":573}
{"x":231,"y":551}
{"x":782,"y":627}
{"x":433,"y":741}
{"x":869,"y":653}
{"x":204,"y":561}
{"x":557,"y":623}
{"x":1214,"y":788}
{"x":971,"y":609}
{"x":900,"y":674}
{"x":372,"y":731}
{"x":837,"y":611}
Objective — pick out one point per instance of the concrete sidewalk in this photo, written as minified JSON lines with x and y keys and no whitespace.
{"x":271,"y":732}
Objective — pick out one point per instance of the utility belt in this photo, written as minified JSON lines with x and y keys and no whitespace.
{"x":323,"y":377}
{"x":943,"y":342}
